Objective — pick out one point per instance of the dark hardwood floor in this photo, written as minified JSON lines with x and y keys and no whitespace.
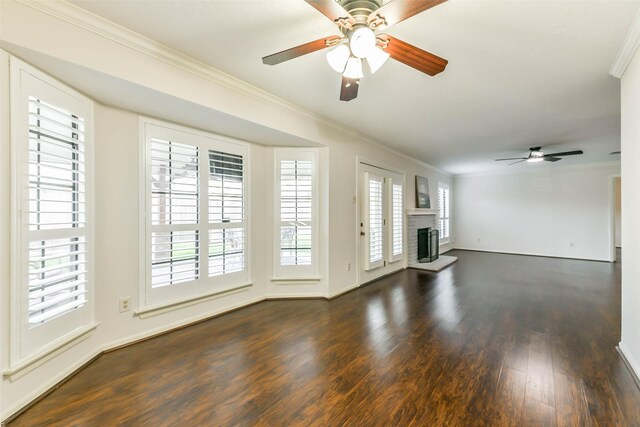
{"x":494,"y":340}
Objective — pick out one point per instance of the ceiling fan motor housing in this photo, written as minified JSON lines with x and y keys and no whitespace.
{"x":360,"y":10}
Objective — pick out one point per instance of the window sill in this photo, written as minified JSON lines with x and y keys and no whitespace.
{"x":445,"y":242}
{"x":57,"y":347}
{"x":295,"y":280}
{"x":165,"y":307}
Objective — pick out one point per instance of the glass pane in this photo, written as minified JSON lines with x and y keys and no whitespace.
{"x":226,"y":188}
{"x":226,"y":251}
{"x":174,"y":183}
{"x":174,"y":257}
{"x":57,"y":278}
{"x":56,"y":168}
{"x":375,"y":220}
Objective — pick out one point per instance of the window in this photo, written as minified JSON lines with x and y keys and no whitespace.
{"x":295,"y":209}
{"x":397,"y":224}
{"x":52,"y":172}
{"x":195,"y":203}
{"x":444,"y":206}
{"x":381,"y":217}
{"x":374,"y":220}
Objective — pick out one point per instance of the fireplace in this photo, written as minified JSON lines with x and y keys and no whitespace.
{"x":428,"y":244}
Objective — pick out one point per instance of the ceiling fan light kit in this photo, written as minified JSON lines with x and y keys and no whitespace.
{"x":338,"y":57}
{"x":358,"y":21}
{"x":353,"y":70}
{"x":362,"y":41}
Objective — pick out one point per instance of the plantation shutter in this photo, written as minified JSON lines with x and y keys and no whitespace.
{"x":397,"y":220}
{"x":226,"y":213}
{"x":374,"y":220}
{"x":296,"y":209}
{"x":443,"y":204}
{"x":57,"y":246}
{"x":175,"y":195}
{"x":195,"y":228}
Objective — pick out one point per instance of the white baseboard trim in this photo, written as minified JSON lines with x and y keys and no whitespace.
{"x":493,"y":251}
{"x":631,"y":363}
{"x":6,"y":414}
{"x":9,"y":413}
{"x":333,"y":295}
{"x":177,"y":325}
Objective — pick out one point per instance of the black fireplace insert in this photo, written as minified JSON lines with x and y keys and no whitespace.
{"x":428,"y":245}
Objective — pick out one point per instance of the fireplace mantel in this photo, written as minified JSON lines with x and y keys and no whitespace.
{"x":420,"y":212}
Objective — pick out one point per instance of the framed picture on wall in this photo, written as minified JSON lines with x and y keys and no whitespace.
{"x":422,"y":193}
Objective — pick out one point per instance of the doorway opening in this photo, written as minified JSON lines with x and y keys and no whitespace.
{"x":616,"y":234}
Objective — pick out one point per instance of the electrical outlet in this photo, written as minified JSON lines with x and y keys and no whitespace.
{"x":348,"y":266}
{"x":124,"y":304}
{"x":572,"y":244}
{"x":477,"y":239}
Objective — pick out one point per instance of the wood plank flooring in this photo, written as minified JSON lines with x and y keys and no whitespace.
{"x":494,"y":340}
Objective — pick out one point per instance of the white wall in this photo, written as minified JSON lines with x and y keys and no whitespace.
{"x":618,"y":211}
{"x":344,"y":219}
{"x":117,"y":197}
{"x":630,"y":88}
{"x":555,"y":211}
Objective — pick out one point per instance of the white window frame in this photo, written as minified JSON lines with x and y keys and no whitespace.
{"x":395,"y":180}
{"x":172,"y":295}
{"x":296,"y":271}
{"x":441,"y":212}
{"x":29,"y":344}
{"x":377,"y":263}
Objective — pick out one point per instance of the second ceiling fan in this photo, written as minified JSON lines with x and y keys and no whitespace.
{"x":536,"y":155}
{"x":358,"y":21}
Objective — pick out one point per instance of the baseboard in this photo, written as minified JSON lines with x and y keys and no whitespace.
{"x":166,"y":329}
{"x":629,"y":362}
{"x":50,"y":387}
{"x":341,"y":292}
{"x":489,"y":251}
{"x":295,"y":297}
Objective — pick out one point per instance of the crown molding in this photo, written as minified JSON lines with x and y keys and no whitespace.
{"x":628,"y":49}
{"x":102,"y":27}
{"x":91,"y":22}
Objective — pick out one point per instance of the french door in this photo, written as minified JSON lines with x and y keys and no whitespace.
{"x":381,"y":218}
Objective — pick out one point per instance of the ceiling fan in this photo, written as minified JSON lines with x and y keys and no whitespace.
{"x":535,"y":155}
{"x":358,"y":22}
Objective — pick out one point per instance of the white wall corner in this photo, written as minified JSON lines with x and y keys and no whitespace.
{"x":631,"y":361}
{"x":628,"y":48}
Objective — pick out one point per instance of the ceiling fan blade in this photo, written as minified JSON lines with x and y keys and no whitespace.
{"x":349,"y":88}
{"x":512,"y":158}
{"x":412,"y":56}
{"x":331,"y":9}
{"x":398,"y":10}
{"x":565,"y":153}
{"x":519,"y":161}
{"x":551,"y":159}
{"x":303,"y":49}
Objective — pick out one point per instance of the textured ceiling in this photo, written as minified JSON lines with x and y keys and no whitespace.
{"x":520,"y":73}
